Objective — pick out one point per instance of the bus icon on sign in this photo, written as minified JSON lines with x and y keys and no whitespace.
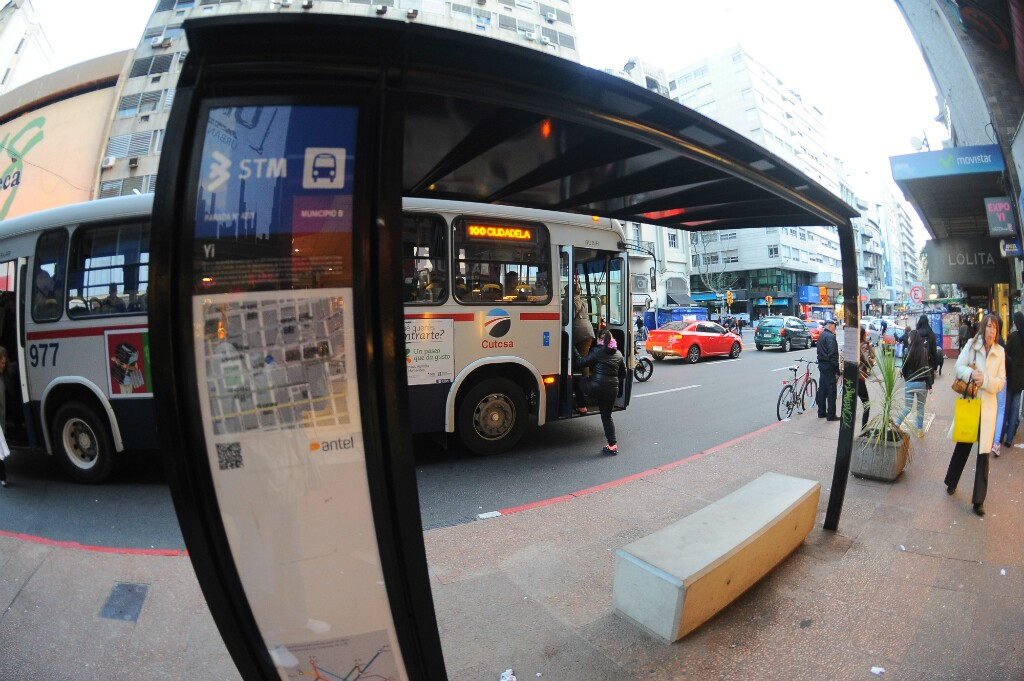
{"x":324,"y":168}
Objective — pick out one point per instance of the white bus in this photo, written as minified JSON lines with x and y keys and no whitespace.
{"x":486,"y":308}
{"x":73,"y":282}
{"x":487,"y":293}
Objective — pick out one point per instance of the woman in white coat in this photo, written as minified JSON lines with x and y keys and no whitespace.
{"x":983,"y":363}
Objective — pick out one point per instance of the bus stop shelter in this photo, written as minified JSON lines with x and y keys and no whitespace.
{"x":410,"y":111}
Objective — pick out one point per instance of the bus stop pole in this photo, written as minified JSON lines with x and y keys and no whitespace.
{"x":851,"y":361}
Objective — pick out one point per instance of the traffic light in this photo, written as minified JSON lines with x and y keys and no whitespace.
{"x":768,"y":300}
{"x":728,"y":298}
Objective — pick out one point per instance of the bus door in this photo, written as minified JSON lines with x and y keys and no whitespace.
{"x":599,"y":279}
{"x":13,"y":275}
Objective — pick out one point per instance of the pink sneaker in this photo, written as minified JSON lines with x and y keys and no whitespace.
{"x":610,"y":449}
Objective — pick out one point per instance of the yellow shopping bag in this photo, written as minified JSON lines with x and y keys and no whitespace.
{"x":966,"y":420}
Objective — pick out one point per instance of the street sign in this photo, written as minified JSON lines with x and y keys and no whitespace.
{"x":917,"y":294}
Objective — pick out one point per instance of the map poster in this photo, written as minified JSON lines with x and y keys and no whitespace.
{"x":128,"y":373}
{"x":429,"y":351}
{"x":278,"y":394}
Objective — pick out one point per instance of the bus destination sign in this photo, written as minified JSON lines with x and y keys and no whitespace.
{"x":500,"y":232}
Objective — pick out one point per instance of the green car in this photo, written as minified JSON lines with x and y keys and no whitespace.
{"x":782,"y":332}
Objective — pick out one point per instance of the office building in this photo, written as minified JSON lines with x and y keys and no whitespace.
{"x":25,"y":52}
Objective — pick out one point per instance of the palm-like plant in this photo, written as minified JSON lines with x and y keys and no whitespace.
{"x":884,"y":447}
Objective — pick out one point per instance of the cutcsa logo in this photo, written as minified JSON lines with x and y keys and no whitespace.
{"x":497,"y":323}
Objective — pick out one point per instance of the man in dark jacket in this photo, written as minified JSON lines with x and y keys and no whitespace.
{"x":924,"y":328}
{"x":828,"y":371}
{"x":607,"y":376}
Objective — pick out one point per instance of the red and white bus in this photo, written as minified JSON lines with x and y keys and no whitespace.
{"x":487,"y":299}
{"x":486,"y":289}
{"x":73,"y":283}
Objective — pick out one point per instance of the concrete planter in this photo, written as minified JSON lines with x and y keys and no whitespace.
{"x":883,"y":461}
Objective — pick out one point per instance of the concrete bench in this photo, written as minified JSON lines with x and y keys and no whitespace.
{"x":672,"y":581}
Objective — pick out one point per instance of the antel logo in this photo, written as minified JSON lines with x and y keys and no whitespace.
{"x":497,"y":323}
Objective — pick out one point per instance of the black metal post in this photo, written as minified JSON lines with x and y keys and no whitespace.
{"x":851,"y":360}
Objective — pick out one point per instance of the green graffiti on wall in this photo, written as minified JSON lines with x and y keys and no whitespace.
{"x":15,"y":149}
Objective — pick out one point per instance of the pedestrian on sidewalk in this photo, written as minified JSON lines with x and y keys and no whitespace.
{"x":1014,"y":379}
{"x":982,"y":362}
{"x":828,"y":371}
{"x":917,"y":378}
{"x":605,"y":382}
{"x":867,"y":362}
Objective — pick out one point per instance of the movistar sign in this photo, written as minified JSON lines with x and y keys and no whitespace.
{"x":985,"y":158}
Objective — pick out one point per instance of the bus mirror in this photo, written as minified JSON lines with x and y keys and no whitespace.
{"x":654,"y":284}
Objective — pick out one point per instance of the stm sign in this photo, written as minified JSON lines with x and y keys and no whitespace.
{"x":248,"y":168}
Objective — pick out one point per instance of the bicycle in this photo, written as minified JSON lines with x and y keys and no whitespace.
{"x":799,"y":391}
{"x":644,"y":367}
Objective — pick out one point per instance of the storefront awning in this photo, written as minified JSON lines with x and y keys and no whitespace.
{"x":949,"y":187}
{"x":680,"y":299}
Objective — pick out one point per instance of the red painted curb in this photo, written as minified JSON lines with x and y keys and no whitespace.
{"x":85,"y":547}
{"x":635,"y":476}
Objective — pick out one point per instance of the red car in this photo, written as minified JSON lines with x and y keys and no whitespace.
{"x":692,"y":340}
{"x":814,"y":326}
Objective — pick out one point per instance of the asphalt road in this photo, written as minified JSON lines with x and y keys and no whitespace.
{"x":682,"y":410}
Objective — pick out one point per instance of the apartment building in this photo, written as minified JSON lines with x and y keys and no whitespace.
{"x":25,"y":52}
{"x":131,"y":158}
{"x":798,"y":267}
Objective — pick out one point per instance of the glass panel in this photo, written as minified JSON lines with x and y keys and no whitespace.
{"x":424,"y":260}
{"x":109,"y":270}
{"x":48,"y":276}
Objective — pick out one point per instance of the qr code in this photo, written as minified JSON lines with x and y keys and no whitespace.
{"x":229,"y":455}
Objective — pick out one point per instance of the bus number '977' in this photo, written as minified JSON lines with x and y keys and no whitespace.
{"x":42,"y":354}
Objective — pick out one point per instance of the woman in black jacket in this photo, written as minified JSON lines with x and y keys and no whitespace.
{"x":607,"y":374}
{"x":924,"y":329}
{"x":1014,"y":379}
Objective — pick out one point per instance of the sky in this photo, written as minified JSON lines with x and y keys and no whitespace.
{"x":856,"y":61}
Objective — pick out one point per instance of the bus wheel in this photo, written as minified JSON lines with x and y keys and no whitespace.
{"x":492,"y":416}
{"x":81,"y":441}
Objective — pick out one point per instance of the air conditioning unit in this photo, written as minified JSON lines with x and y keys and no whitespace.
{"x":133,"y":162}
{"x":107,"y":162}
{"x":412,"y":14}
{"x":382,"y":10}
{"x":529,"y":35}
{"x":307,"y":4}
{"x":286,"y":3}
{"x":551,"y":17}
{"x":544,"y":40}
{"x":158,"y":42}
{"x":641,"y":284}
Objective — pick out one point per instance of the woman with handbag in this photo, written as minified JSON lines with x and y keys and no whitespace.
{"x":982,"y":364}
{"x":867,"y":362}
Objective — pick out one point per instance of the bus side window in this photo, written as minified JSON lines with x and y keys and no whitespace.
{"x":108,"y":272}
{"x":48,"y":276}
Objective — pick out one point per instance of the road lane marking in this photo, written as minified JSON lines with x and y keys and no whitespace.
{"x":670,"y":390}
{"x":781,"y":369}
